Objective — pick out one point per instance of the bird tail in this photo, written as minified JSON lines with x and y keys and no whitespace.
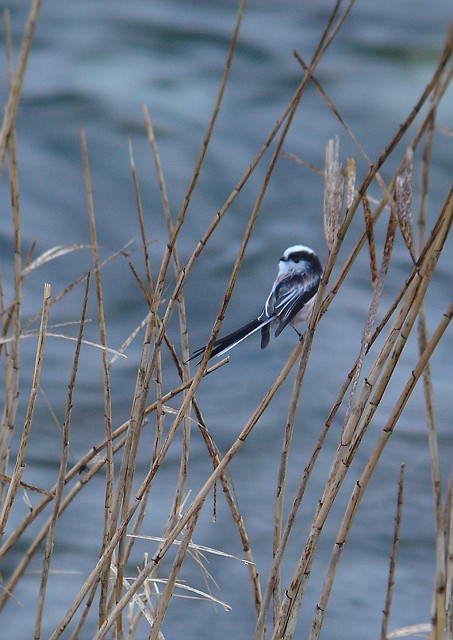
{"x":226,"y":343}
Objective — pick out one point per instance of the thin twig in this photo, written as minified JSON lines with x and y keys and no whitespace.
{"x":12,"y":358}
{"x":20,"y":459}
{"x":15,"y":91}
{"x":393,"y":557}
{"x":48,"y":551}
{"x":109,"y":468}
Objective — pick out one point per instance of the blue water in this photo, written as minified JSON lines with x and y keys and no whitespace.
{"x":93,"y":65}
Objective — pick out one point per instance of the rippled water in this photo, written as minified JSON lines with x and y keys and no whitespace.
{"x":93,"y":65}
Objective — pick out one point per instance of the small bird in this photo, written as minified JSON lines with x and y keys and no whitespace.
{"x":290,"y":301}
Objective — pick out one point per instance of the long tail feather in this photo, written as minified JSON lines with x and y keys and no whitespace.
{"x":231,"y":340}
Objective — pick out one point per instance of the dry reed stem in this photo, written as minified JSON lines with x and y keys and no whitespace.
{"x":109,"y":467}
{"x":87,"y":460}
{"x":445,"y":55}
{"x":370,"y":321}
{"x":303,"y":163}
{"x":281,"y":482}
{"x":127,"y":469}
{"x":449,"y":560}
{"x":354,"y":253}
{"x":20,"y":459}
{"x":196,"y":503}
{"x":121,"y":529}
{"x":250,"y":226}
{"x":373,"y":171}
{"x":233,"y":278}
{"x":125,"y":548}
{"x":165,"y":600}
{"x":364,"y":478}
{"x":333,"y":200}
{"x":440,"y":607}
{"x":37,"y":541}
{"x":279,"y":540}
{"x":25,"y":485}
{"x":224,"y":477}
{"x":141,"y":219}
{"x":139,"y":400}
{"x":15,"y":90}
{"x":75,"y":635}
{"x":237,"y":518}
{"x":95,"y":450}
{"x":48,"y":551}
{"x":122,"y":603}
{"x":135,"y":422}
{"x":277,"y":526}
{"x":326,"y":501}
{"x":12,"y":358}
{"x":184,"y":462}
{"x":393,"y":556}
{"x":124,"y":493}
{"x":359,"y":421}
{"x":333,"y":193}
{"x":280,"y":551}
{"x":362,"y":482}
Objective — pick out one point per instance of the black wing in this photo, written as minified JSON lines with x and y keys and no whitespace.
{"x":292,"y":294}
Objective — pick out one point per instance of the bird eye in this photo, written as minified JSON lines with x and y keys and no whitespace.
{"x":296,"y":259}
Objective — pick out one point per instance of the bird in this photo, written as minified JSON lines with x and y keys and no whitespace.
{"x":290,"y":301}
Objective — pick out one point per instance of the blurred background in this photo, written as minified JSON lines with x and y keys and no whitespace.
{"x":93,"y":65}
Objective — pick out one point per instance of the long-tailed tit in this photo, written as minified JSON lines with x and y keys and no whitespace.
{"x":290,"y":301}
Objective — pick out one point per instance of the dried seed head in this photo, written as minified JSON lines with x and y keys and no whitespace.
{"x":333,"y":193}
{"x":403,"y":197}
{"x":370,"y":237}
{"x":351,"y":175}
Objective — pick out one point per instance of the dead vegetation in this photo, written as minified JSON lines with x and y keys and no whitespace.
{"x":119,"y":602}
